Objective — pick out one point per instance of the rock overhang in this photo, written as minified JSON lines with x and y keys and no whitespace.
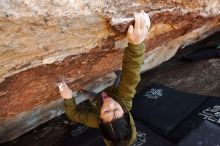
{"x":43,"y":40}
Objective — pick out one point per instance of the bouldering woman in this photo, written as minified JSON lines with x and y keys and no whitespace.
{"x":111,"y":108}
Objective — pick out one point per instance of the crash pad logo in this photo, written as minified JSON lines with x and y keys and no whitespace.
{"x":141,"y":139}
{"x":212,"y":114}
{"x":79,"y":130}
{"x":154,"y":93}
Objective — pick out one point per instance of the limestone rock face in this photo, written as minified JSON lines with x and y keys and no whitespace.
{"x":43,"y":40}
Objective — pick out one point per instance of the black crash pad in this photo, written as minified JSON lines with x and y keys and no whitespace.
{"x":207,"y":134}
{"x":162,"y":108}
{"x":146,"y":137}
{"x":210,"y":111}
{"x":80,"y":135}
{"x":209,"y":53}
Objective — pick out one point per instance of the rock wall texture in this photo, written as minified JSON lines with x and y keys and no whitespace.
{"x":43,"y":40}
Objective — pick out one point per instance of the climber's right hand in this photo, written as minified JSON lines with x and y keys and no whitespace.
{"x":65,"y":91}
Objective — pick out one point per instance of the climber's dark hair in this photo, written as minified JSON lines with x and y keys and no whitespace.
{"x":118,"y":131}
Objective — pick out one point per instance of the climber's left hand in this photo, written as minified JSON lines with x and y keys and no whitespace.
{"x":136,"y":34}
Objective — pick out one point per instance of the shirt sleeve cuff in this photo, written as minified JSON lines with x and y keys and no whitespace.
{"x":137,"y":49}
{"x":69,"y":101}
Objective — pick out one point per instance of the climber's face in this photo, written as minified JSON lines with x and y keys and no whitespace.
{"x":111,"y":110}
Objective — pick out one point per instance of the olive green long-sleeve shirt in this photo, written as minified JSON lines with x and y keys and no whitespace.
{"x":123,"y":94}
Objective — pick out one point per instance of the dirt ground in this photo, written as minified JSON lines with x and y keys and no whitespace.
{"x":201,"y":77}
